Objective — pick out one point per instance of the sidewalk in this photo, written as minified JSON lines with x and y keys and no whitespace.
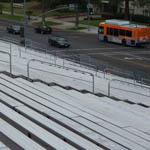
{"x":68,"y":25}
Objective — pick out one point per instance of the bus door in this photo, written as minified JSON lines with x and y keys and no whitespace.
{"x":113,"y":35}
{"x":101,"y":32}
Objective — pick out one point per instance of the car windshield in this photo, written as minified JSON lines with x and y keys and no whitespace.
{"x":44,"y":27}
{"x":16,"y":27}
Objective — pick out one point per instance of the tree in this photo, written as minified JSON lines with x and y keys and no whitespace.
{"x":43,"y":11}
{"x":127,"y":9}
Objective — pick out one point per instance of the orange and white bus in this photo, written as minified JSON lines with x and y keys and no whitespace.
{"x":119,"y":31}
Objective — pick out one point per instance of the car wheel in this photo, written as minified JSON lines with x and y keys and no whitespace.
{"x":105,"y":39}
{"x":50,"y":31}
{"x":42,"y":32}
{"x":124,"y":42}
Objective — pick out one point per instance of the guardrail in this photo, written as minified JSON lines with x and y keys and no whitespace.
{"x":118,"y":73}
{"x":10,"y":61}
{"x":113,"y":80}
{"x":35,"y":60}
{"x":10,"y":40}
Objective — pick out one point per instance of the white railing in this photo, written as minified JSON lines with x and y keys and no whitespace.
{"x":43,"y":62}
{"x":128,"y":83}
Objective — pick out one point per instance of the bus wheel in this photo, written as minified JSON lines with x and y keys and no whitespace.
{"x":105,"y":39}
{"x":138,"y":45}
{"x":124,"y":42}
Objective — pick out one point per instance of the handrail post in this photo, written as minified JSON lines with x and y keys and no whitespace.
{"x":63,"y":62}
{"x":109,"y":88}
{"x":10,"y":63}
{"x":10,"y":60}
{"x":10,"y":49}
{"x":105,"y":72}
{"x":28,"y":67}
{"x":93,"y":83}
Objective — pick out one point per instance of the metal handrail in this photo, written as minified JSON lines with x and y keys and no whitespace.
{"x":10,"y":62}
{"x":113,"y":80}
{"x":76,"y":61}
{"x":108,"y":69}
{"x":35,"y":60}
{"x":10,"y":46}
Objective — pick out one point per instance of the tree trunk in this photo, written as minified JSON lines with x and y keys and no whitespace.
{"x":126,"y":9}
{"x":12,"y":8}
{"x":43,"y":11}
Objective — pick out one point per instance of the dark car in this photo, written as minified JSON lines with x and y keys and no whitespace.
{"x":43,"y":29}
{"x":15,"y":29}
{"x":58,"y":42}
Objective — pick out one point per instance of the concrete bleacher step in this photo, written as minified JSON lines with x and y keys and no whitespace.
{"x":78,"y":138}
{"x":78,"y":95}
{"x":18,"y":138}
{"x":3,"y":146}
{"x":85,"y":116}
{"x":40,"y":135}
{"x":49,"y":84}
{"x":103,"y":137}
{"x":76,"y":128}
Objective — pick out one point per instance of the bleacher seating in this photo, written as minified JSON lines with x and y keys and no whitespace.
{"x":52,"y":117}
{"x":55,"y":108}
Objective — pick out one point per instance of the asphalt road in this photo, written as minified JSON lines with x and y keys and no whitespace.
{"x":125,"y":58}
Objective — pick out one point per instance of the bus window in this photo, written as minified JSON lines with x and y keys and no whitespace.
{"x":115,"y":32}
{"x":111,"y":31}
{"x":108,"y":31}
{"x":122,"y":32}
{"x":129,"y":33}
{"x":101,"y":29}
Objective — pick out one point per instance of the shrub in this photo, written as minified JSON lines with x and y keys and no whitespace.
{"x":29,"y":13}
{"x":141,"y":18}
{"x":112,"y":16}
{"x":1,"y":8}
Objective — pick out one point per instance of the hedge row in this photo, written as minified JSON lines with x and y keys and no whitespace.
{"x":136,"y":18}
{"x":15,"y":1}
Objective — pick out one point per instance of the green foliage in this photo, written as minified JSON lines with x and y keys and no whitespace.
{"x":144,"y":2}
{"x":16,"y":18}
{"x":1,"y":8}
{"x":141,"y":18}
{"x":29,"y":13}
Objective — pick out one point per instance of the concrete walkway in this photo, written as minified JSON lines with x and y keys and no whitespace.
{"x":69,"y":25}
